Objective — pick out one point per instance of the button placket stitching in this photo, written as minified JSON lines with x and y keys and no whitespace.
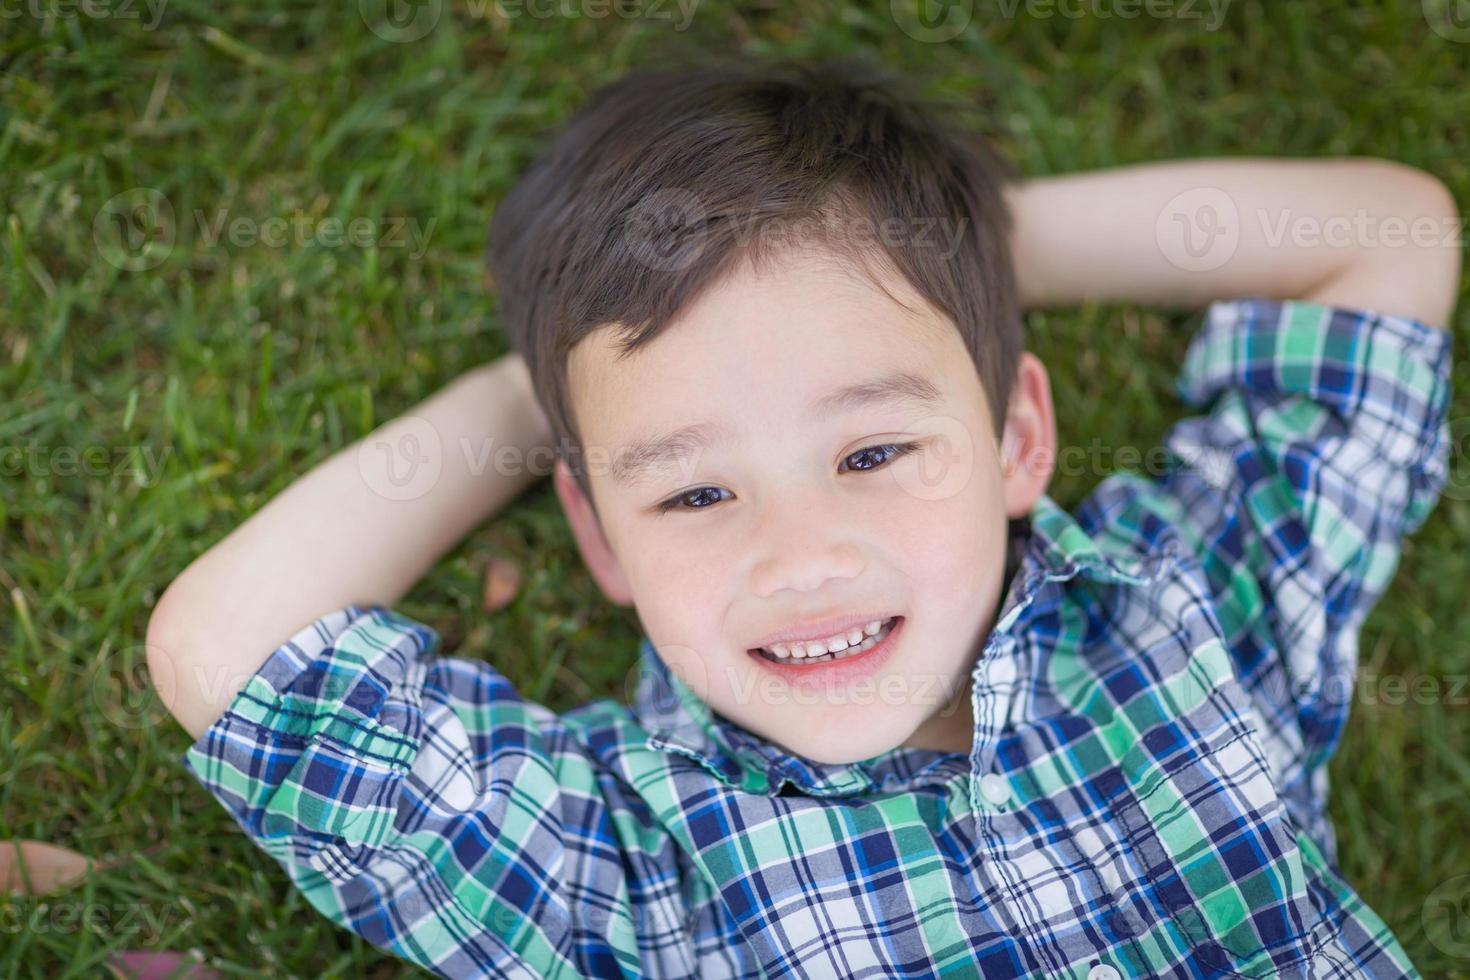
{"x":982,"y":755}
{"x":996,"y":674}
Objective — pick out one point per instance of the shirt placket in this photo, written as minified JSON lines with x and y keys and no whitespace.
{"x":993,"y":690}
{"x":1029,"y":876}
{"x":998,"y":675}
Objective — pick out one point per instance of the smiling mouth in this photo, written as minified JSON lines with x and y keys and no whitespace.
{"x":867,"y":643}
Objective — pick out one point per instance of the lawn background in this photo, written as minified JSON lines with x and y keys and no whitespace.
{"x":238,"y":367}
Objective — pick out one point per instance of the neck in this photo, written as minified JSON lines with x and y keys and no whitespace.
{"x":950,"y":729}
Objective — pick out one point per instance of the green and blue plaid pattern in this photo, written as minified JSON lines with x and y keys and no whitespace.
{"x":1145,"y":795}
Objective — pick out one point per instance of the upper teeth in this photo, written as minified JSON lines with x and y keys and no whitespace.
{"x":833,"y":644}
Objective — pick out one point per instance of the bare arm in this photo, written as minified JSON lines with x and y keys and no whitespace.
{"x":1363,"y":233}
{"x":361,"y":527}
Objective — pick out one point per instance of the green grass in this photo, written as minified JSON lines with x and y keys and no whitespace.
{"x":238,"y":366}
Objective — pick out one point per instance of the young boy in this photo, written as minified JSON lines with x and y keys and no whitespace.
{"x":900,"y":714}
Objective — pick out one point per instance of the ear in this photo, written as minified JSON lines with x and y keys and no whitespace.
{"x":591,"y":541}
{"x":1029,"y":447}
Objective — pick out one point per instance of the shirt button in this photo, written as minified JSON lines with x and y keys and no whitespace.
{"x":995,"y":788}
{"x":1103,"y":972}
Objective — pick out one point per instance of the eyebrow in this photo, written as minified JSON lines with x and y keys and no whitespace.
{"x":894,"y":388}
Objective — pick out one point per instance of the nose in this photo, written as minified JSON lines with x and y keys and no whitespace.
{"x":801,"y":545}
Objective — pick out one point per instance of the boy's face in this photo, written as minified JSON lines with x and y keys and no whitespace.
{"x":797,"y":512}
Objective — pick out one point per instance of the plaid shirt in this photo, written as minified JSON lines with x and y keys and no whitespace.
{"x":1145,"y":796}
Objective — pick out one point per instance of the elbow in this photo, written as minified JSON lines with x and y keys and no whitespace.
{"x":164,"y":645}
{"x":1429,"y":230}
{"x":196,"y":661}
{"x":159,"y":644}
{"x":1430,"y":208}
{"x":1409,"y":251}
{"x":1426,"y":193}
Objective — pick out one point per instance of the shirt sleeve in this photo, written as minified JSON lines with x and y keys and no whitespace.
{"x":1324,"y":443}
{"x":421,"y":802}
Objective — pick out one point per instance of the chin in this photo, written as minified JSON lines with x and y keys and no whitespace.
{"x":841,"y":747}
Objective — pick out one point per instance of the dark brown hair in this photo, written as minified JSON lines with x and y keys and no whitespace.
{"x":664,"y":180}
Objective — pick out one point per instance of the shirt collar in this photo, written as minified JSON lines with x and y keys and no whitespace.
{"x":1052,"y":548}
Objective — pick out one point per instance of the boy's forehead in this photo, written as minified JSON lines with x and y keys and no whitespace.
{"x":817,"y":339}
{"x":810,"y":314}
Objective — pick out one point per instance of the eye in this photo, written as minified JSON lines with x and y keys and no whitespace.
{"x":699,"y":493}
{"x":876,"y":457}
{"x":888,"y":452}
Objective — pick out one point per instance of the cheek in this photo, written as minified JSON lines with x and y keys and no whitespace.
{"x":949,"y":539}
{"x":672,"y":587}
{"x":678,"y":607}
{"x":726,"y":685}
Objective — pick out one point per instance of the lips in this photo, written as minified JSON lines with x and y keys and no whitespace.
{"x":799,"y":654}
{"x":823,"y":676}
